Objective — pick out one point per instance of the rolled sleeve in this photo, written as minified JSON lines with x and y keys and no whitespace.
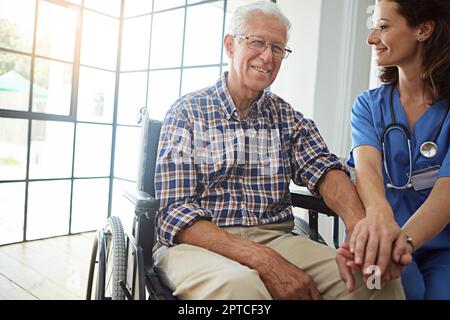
{"x":177,"y":217}
{"x":312,"y":159}
{"x":176,"y":179}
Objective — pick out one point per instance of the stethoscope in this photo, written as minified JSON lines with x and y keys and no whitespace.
{"x":428,"y":149}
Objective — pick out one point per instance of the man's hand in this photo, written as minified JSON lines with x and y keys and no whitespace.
{"x":344,"y":260}
{"x":284,"y":280}
{"x":372,"y":240}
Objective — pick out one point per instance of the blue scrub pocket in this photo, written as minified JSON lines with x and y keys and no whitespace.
{"x":424,"y":178}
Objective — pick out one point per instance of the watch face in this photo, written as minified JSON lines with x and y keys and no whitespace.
{"x":428,"y":149}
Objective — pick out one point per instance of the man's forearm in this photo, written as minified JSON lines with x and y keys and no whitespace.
{"x":206,"y":235}
{"x":340,"y":195}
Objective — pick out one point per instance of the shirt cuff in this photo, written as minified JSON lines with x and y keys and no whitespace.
{"x":316,"y":178}
{"x":173,"y":220}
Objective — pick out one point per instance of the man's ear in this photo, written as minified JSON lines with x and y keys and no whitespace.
{"x":228,"y":43}
{"x":425,"y":30}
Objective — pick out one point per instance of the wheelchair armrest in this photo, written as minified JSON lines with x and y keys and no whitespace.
{"x":305,"y":199}
{"x":142,"y":200}
{"x":315,"y":205}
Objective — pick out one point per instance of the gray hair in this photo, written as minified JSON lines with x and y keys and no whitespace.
{"x":240,"y":17}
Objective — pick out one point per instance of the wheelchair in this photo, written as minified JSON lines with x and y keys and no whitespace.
{"x":121,"y":265}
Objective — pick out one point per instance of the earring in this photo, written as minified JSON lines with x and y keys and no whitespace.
{"x":420,"y":38}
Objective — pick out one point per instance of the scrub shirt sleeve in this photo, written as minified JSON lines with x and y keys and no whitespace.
{"x":362,"y":125}
{"x":445,"y":166}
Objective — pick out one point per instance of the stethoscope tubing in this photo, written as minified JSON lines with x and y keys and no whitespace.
{"x":394,"y":125}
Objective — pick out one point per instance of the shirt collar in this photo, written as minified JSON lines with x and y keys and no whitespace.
{"x":227,"y":103}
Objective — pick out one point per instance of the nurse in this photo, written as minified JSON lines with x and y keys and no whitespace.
{"x":400,"y":149}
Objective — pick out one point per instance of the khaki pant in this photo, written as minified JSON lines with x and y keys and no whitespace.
{"x":196,"y":273}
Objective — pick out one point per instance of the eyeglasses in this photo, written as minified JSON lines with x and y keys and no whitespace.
{"x":260,"y":44}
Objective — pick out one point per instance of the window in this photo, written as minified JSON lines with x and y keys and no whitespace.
{"x":57,"y":95}
{"x":71,"y":87}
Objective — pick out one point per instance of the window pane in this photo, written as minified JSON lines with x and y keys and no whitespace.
{"x":12,"y":203}
{"x":56,"y":30}
{"x":51,"y":149}
{"x":93,"y":150}
{"x":14,"y":81}
{"x":17,"y":24}
{"x":167,"y":39}
{"x":99,"y":40}
{"x":203,"y":34}
{"x":132,"y":91}
{"x":162,"y":92}
{"x":89,"y":204}
{"x":48,"y":209}
{"x":111,"y":7}
{"x":135,"y":43}
{"x":127,"y":153}
{"x":166,"y":4}
{"x":121,"y":206}
{"x":13,"y":149}
{"x":75,"y":1}
{"x":52,"y":92}
{"x":96,"y":95}
{"x":198,"y":78}
{"x":137,"y":7}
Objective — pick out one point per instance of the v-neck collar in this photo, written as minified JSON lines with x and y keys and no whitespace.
{"x":434,"y":113}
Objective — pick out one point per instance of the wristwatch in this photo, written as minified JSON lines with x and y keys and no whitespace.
{"x":409,"y":240}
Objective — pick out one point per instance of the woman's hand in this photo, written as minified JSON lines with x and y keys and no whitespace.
{"x":402,"y":252}
{"x":372,"y":240}
{"x":401,"y":257}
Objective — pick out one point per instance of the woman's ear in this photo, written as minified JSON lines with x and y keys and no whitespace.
{"x":228,"y":43}
{"x":425,"y":30}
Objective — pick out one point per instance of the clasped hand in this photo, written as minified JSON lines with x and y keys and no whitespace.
{"x":374,"y":240}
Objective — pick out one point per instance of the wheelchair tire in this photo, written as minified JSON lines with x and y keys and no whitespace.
{"x":108,"y":263}
{"x":116,"y":259}
{"x":301,"y":228}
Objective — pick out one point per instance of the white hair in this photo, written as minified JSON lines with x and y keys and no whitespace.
{"x":241,"y":16}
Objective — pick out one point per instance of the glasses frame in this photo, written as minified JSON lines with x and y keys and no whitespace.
{"x":287,"y":50}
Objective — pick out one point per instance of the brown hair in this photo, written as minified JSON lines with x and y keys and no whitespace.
{"x":436,"y":52}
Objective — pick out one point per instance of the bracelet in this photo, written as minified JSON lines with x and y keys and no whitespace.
{"x":409,"y":240}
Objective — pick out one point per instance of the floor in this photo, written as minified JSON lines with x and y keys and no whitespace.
{"x":50,"y":269}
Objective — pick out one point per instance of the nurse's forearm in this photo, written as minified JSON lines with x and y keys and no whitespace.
{"x":370,"y":182}
{"x":372,"y":193}
{"x":432,"y":217}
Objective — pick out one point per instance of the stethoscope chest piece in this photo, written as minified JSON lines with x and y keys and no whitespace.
{"x":428,"y":149}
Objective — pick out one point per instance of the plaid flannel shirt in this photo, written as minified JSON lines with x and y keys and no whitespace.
{"x":214,"y":165}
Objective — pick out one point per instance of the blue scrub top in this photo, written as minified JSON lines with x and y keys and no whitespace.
{"x":370,"y":115}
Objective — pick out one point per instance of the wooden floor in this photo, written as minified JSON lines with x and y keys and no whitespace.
{"x":50,"y":269}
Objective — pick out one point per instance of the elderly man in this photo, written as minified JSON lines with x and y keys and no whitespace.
{"x":226,"y":158}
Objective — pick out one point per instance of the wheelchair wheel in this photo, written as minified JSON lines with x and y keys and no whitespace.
{"x":116,"y":260}
{"x":301,"y":228}
{"x":108,"y":263}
